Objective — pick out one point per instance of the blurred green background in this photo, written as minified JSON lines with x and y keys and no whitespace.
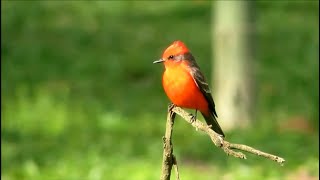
{"x":81,"y":98}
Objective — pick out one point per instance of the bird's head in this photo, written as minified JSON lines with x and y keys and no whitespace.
{"x":173,"y":53}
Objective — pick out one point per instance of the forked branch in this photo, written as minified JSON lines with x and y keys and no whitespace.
{"x":169,"y":159}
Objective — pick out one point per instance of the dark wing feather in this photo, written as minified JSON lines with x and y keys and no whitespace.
{"x":201,"y":82}
{"x":205,"y":90}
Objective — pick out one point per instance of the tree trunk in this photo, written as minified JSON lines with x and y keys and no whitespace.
{"x":232,"y":60}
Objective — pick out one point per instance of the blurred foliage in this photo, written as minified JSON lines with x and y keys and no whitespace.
{"x":81,"y":98}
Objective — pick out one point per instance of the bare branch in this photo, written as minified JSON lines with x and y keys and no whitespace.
{"x":168,"y":158}
{"x":220,"y":142}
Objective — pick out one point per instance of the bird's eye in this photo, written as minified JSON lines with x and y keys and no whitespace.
{"x":170,"y":57}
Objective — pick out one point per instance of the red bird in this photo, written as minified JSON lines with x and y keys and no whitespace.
{"x":185,"y":85}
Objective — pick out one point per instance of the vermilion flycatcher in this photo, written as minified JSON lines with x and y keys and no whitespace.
{"x":185,"y":85}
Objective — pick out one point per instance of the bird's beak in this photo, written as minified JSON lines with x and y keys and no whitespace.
{"x":158,"y":61}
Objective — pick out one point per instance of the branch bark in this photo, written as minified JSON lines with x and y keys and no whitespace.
{"x":169,"y":159}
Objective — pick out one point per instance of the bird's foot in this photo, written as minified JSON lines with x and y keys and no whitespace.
{"x":171,"y":106}
{"x":193,"y":118}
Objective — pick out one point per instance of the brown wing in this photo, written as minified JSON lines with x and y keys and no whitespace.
{"x":201,"y":82}
{"x":205,"y":90}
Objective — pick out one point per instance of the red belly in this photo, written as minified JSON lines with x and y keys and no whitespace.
{"x":182,"y":90}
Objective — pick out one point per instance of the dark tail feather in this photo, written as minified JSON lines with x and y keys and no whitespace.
{"x":211,"y":120}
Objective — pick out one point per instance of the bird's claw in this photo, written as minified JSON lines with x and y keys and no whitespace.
{"x":171,"y":106}
{"x":193,"y":118}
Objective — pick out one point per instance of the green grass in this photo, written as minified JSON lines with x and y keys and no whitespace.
{"x":81,"y":98}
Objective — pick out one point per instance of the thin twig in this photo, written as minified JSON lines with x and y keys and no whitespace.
{"x":223,"y":144}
